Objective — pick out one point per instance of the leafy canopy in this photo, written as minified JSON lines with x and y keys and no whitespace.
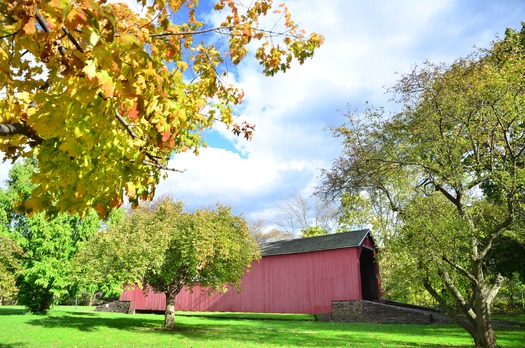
{"x":103,"y":96}
{"x":35,"y":251}
{"x":451,"y":163}
{"x":166,"y":248}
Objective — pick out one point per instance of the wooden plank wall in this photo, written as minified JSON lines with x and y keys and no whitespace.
{"x":296,"y":283}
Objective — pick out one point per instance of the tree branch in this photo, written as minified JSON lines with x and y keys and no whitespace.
{"x":461,"y":269}
{"x":160,"y":166}
{"x":464,"y":305}
{"x":9,"y":35}
{"x":393,"y":206}
{"x":45,"y":27}
{"x":126,"y":125}
{"x":450,"y":312}
{"x":72,"y":38}
{"x":454,"y":200}
{"x":7,"y":130}
{"x":494,"y":289}
{"x":154,"y":162}
{"x":497,"y":231}
{"x":220,"y":31}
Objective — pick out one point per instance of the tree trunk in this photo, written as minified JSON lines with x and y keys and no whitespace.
{"x":476,"y":319}
{"x":485,"y":336}
{"x":169,"y":316}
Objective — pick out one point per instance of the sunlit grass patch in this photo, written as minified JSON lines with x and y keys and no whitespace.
{"x":67,"y":327}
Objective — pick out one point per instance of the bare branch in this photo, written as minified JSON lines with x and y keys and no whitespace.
{"x":126,"y":125}
{"x":220,"y":30}
{"x":72,"y":38}
{"x":160,"y":166}
{"x":45,"y":27}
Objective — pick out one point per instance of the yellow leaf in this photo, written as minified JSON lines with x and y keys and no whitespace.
{"x":106,"y":82}
{"x":92,"y":39}
{"x":130,"y":190}
{"x":182,"y":66}
{"x":90,"y":69}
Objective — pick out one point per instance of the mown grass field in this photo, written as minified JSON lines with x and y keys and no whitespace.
{"x":82,"y":327}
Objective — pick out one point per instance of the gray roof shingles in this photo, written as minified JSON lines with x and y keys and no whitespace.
{"x":319,"y":243}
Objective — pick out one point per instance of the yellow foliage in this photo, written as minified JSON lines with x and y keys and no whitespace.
{"x":107,"y":95}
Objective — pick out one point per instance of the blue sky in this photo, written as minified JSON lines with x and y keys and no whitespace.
{"x":368,"y":45}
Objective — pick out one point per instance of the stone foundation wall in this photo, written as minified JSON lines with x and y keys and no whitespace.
{"x":115,"y":306}
{"x":376,"y":312}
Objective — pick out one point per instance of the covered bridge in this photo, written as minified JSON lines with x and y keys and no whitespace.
{"x":293,"y":276}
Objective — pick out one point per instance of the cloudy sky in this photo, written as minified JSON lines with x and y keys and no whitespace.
{"x":367,"y":43}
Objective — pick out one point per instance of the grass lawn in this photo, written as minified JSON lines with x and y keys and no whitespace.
{"x":67,"y":327}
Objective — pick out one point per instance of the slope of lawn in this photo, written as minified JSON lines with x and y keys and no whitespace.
{"x":82,"y":327}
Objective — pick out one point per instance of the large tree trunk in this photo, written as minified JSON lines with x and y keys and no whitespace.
{"x":484,"y":336}
{"x":476,"y":320}
{"x":169,"y":316}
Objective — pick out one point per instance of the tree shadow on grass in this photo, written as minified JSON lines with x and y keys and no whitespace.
{"x":89,"y":322}
{"x":88,"y":314}
{"x":12,"y":311}
{"x":303,"y":334}
{"x":232,"y":332}
{"x":12,"y":345}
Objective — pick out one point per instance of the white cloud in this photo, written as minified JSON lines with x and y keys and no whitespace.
{"x":366,"y":44}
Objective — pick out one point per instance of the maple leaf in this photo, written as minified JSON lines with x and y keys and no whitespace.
{"x":106,"y":82}
{"x":90,"y":70}
{"x":29,"y":27}
{"x":133,"y":112}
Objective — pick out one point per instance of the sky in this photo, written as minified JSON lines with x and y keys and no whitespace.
{"x":368,"y":46}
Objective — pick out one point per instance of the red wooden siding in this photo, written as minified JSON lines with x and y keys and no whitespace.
{"x":294,"y":283}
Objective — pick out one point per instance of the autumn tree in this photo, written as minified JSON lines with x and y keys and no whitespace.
{"x":103,"y":96}
{"x":43,"y":247}
{"x":459,"y":138}
{"x":164,"y":247}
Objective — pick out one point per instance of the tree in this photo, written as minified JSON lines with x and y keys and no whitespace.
{"x":372,"y":209}
{"x":10,"y":254}
{"x":257,"y":230}
{"x":165,"y":248}
{"x":299,"y":213}
{"x":460,"y":136}
{"x":103,"y":96}
{"x":45,"y":247}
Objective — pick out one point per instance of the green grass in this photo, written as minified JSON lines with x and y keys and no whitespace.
{"x":67,"y":327}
